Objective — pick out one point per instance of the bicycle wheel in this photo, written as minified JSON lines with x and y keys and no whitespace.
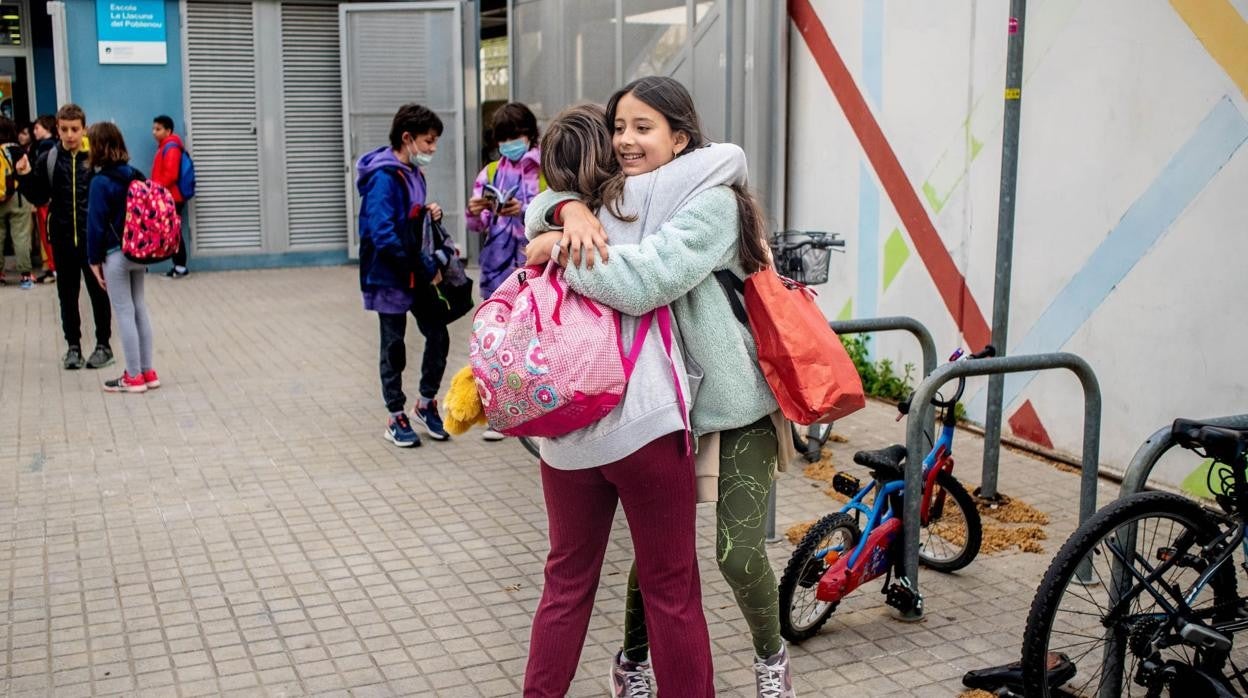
{"x":530,"y":445}
{"x":802,"y":614}
{"x":1071,"y":617}
{"x":809,"y":442}
{"x":951,"y":538}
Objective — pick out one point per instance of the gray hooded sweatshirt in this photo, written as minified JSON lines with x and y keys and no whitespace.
{"x":650,"y":408}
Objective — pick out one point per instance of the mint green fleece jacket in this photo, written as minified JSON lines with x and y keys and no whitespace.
{"x":674,"y":266}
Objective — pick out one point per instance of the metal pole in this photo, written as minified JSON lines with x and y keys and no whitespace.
{"x":921,"y":412}
{"x":1005,"y":243}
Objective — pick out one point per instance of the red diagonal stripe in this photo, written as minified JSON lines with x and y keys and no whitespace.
{"x":949,"y":281}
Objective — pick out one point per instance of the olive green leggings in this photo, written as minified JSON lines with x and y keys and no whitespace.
{"x":747,"y":459}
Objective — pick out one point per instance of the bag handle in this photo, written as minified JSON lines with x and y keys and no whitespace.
{"x":734,"y":288}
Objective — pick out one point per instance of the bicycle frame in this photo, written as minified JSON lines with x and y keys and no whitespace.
{"x":872,"y":555}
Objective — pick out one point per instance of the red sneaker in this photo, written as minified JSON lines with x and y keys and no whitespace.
{"x":126,"y":384}
{"x":151,"y":379}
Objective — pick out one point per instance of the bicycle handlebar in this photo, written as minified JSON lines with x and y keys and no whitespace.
{"x":989,"y":350}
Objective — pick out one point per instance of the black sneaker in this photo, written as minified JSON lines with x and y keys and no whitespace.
{"x":177,"y":272}
{"x":73,"y":359}
{"x":101,"y":357}
{"x":432,"y":421}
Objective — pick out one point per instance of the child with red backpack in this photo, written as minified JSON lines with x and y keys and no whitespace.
{"x":115,"y":272}
{"x":167,"y":170}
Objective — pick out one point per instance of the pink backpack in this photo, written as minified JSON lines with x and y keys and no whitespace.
{"x":153,"y":229}
{"x":548,"y":361}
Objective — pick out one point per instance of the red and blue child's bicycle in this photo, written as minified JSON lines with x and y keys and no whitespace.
{"x":838,"y":554}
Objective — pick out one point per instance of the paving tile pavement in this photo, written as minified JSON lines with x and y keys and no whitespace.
{"x":245,"y":530}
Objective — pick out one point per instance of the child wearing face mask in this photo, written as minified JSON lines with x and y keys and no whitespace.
{"x":397,"y":274}
{"x":518,"y":173}
{"x":517,"y":177}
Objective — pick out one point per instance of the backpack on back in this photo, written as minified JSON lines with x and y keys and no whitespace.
{"x":548,"y":361}
{"x":803,"y":360}
{"x":186,"y":172}
{"x":153,"y":230}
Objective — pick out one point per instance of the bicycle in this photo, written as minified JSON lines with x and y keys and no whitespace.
{"x":836,"y":556}
{"x":803,"y":256}
{"x":1142,"y":599}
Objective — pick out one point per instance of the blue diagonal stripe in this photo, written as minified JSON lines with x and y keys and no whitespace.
{"x":1191,"y":169}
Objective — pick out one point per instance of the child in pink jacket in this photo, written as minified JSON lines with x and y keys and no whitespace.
{"x":502,"y":193}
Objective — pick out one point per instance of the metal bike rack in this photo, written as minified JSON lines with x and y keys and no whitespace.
{"x":1135,"y":477}
{"x":862,"y":326}
{"x":922,"y":412}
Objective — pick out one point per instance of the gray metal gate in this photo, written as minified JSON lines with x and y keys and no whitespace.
{"x":392,"y":54}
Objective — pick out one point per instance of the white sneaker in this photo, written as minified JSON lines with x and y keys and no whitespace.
{"x":491,"y":435}
{"x":630,"y":679}
{"x":772,"y":677}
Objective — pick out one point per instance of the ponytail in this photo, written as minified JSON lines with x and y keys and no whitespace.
{"x":752,"y":250}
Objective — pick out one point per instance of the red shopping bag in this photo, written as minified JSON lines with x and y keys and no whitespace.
{"x":803,"y":360}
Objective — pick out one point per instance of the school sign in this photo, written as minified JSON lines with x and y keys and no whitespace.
{"x":131,"y":31}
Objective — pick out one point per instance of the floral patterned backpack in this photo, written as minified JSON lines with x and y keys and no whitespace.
{"x":548,"y":361}
{"x":153,"y":230}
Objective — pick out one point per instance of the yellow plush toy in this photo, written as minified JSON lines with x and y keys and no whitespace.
{"x":463,"y":404}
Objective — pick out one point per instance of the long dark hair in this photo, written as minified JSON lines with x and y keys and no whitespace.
{"x":670,"y":98}
{"x":577,"y":156}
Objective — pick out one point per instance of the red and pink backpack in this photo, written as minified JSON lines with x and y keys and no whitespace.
{"x":153,"y":229}
{"x":548,"y":361}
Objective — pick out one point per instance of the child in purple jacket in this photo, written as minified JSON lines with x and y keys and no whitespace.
{"x":502,"y":193}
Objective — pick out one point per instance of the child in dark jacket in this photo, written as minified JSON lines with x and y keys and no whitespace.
{"x":395,"y":276}
{"x":122,"y":278}
{"x":60,"y":179}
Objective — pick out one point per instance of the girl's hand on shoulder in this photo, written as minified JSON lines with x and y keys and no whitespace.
{"x":541,"y":248}
{"x":583,"y":234}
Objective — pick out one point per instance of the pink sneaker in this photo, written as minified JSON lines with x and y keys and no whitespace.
{"x":126,"y":384}
{"x":151,"y":379}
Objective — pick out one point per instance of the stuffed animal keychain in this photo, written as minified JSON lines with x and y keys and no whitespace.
{"x":463,"y":404}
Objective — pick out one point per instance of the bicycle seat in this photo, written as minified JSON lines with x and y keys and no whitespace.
{"x":885,"y":463}
{"x":1220,"y":443}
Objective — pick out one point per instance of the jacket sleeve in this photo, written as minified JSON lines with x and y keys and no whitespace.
{"x":535,"y":215}
{"x":99,"y":217}
{"x":668,"y":264}
{"x":480,"y":221}
{"x":382,"y":203}
{"x":34,"y":185}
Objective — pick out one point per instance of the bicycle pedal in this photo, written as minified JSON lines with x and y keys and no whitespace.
{"x":902,"y":597}
{"x":847,"y":485}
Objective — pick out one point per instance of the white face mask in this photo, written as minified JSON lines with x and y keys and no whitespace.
{"x":420,"y":159}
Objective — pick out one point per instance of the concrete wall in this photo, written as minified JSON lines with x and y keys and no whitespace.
{"x":1131,"y":212}
{"x":129,"y":95}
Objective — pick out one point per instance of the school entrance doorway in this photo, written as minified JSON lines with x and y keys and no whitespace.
{"x":396,"y":53}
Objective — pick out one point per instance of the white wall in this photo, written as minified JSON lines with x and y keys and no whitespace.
{"x":1123,"y":105}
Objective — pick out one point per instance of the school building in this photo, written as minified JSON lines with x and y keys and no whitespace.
{"x":877,"y":119}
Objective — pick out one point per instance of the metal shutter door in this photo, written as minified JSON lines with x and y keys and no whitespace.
{"x":316,"y":204}
{"x":222,"y":69}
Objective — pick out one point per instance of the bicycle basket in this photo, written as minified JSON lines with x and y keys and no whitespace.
{"x":801,"y":256}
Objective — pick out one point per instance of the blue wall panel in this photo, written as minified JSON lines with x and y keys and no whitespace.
{"x":129,"y":95}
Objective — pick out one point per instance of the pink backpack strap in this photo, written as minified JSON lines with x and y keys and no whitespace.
{"x":639,"y":340}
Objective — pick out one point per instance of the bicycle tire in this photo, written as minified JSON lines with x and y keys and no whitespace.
{"x":530,"y":445}
{"x":797,"y":569}
{"x":1083,"y":543}
{"x":970,"y":520}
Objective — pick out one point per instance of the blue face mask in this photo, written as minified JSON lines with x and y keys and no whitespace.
{"x":514,"y":150}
